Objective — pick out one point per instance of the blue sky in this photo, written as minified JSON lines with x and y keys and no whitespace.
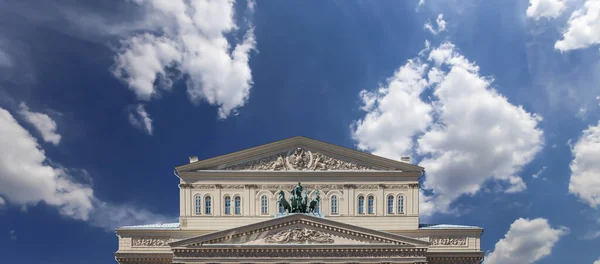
{"x":497,"y":99}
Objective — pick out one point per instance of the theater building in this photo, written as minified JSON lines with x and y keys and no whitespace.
{"x":299,"y":200}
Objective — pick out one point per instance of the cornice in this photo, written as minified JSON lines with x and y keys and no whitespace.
{"x":300,"y":253}
{"x":342,"y":175}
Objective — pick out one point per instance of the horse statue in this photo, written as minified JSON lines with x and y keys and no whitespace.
{"x":283,"y":203}
{"x":304,"y":204}
{"x":315,"y":202}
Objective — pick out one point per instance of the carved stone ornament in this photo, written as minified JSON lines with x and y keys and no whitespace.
{"x":448,"y":241}
{"x":298,"y":159}
{"x":299,"y":236}
{"x":150,"y":241}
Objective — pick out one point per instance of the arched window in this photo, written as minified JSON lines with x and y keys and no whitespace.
{"x":238,"y":205}
{"x":227,"y":205}
{"x":207,"y":205}
{"x":198,"y":204}
{"x":264,"y":205}
{"x":361,"y":204}
{"x":334,"y":205}
{"x":400,"y":204}
{"x":371,"y":201}
{"x":390,"y":204}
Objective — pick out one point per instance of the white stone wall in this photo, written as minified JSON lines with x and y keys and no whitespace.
{"x":347,"y":206}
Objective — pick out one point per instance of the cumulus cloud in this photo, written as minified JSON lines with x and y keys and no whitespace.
{"x":394,"y":113}
{"x":191,"y":40}
{"x":467,"y":133}
{"x":28,"y":178}
{"x":43,"y":123}
{"x":139,"y":118}
{"x":583,"y":29}
{"x":441,"y":25}
{"x":545,"y":8}
{"x":526,"y":241}
{"x":585,"y":168}
{"x":597,"y":261}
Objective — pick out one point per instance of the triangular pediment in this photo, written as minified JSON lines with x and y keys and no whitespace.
{"x":297,"y":230}
{"x":299,"y":154}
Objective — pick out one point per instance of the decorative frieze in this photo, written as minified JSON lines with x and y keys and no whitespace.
{"x":298,"y":159}
{"x":286,"y":254}
{"x":150,"y":241}
{"x":299,"y":236}
{"x":448,"y":241}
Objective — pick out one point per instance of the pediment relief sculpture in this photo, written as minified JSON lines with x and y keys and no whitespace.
{"x":298,"y":159}
{"x":300,"y":236}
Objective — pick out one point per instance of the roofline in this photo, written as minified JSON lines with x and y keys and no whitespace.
{"x":408,"y":166}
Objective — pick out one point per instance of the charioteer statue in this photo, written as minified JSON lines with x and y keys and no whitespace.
{"x":299,"y":201}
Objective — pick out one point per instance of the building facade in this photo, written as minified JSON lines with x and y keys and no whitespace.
{"x":360,"y":208}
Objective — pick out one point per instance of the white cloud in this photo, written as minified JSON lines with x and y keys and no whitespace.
{"x":545,"y":8}
{"x":110,"y":216}
{"x":537,"y":174}
{"x":468,"y":133}
{"x":597,"y":261}
{"x":583,"y":29}
{"x":527,"y":241}
{"x":2,"y":202}
{"x":590,"y":235}
{"x":193,"y":42}
{"x":394,"y":113}
{"x":139,"y":118}
{"x":42,"y":123}
{"x":441,"y":25}
{"x":585,"y":168}
{"x":28,"y":178}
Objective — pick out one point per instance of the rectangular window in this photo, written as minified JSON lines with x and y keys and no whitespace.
{"x":264,"y":206}
{"x":400,"y":204}
{"x":361,"y":205}
{"x":334,"y":205}
{"x":227,"y":205}
{"x":371,"y":205}
{"x":198,"y":204}
{"x":207,"y":205}
{"x":238,"y":205}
